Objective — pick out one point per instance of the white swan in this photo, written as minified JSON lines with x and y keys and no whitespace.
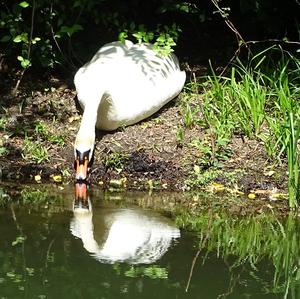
{"x":122,"y":84}
{"x":123,"y":235}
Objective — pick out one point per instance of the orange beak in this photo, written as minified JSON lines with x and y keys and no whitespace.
{"x":81,"y":169}
{"x":80,"y":191}
{"x":81,"y":202}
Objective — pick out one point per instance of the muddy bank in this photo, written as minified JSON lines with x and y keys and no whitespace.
{"x":39,"y":124}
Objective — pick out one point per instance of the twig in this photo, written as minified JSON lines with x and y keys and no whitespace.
{"x":53,"y":34}
{"x":15,"y":90}
{"x":56,"y":42}
{"x":232,"y":283}
{"x":240,"y":40}
{"x":14,"y":217}
{"x":246,"y":43}
{"x":235,"y":55}
{"x":239,"y":37}
{"x":19,"y":228}
{"x":67,"y":59}
{"x":192,"y":270}
{"x":48,"y":253}
{"x":198,"y":252}
{"x":273,"y":40}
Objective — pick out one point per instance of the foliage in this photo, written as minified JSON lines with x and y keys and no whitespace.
{"x":164,"y":38}
{"x":115,"y":160}
{"x":153,"y":272}
{"x":180,"y":136}
{"x":34,"y":29}
{"x":3,"y":151}
{"x":43,"y":133}
{"x":44,"y":33}
{"x":47,"y":33}
{"x":260,"y":100}
{"x":34,"y":151}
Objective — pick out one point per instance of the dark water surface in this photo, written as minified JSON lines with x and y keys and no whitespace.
{"x":115,"y":249}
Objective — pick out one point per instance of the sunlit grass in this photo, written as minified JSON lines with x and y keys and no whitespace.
{"x":34,"y":151}
{"x":260,"y":100}
{"x":44,"y":133}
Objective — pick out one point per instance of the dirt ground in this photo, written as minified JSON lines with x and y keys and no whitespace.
{"x":142,"y":156}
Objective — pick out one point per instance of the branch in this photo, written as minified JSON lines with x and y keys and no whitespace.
{"x":224,"y":15}
{"x":207,"y":235}
{"x":246,"y":44}
{"x":15,"y":89}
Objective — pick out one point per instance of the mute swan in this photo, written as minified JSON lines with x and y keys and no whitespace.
{"x":123,"y":84}
{"x":121,"y":235}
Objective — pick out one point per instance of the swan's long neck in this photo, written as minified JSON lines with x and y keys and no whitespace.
{"x":89,"y":119}
{"x":85,"y":138}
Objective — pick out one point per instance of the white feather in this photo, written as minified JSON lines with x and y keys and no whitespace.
{"x":123,"y":84}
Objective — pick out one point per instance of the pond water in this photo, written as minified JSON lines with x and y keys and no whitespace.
{"x":107,"y":246}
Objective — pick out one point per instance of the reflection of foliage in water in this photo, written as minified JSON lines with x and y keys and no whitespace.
{"x":4,"y":197}
{"x":38,"y":196}
{"x":16,"y":263}
{"x":250,"y":240}
{"x":153,"y":272}
{"x":133,"y":271}
{"x":31,"y":195}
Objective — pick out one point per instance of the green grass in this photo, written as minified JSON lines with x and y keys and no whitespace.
{"x":36,"y":146}
{"x":34,"y":151}
{"x":3,"y":151}
{"x":43,"y":132}
{"x":3,"y":122}
{"x":115,"y":161}
{"x":260,"y":100}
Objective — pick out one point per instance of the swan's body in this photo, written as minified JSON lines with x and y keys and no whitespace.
{"x":124,"y":235}
{"x":123,"y":84}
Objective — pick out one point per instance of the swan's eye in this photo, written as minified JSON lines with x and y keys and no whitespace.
{"x":82,"y":157}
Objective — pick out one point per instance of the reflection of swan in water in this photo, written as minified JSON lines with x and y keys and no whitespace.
{"x":122,"y":235}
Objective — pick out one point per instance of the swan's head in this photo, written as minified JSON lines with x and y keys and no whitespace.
{"x":83,"y":151}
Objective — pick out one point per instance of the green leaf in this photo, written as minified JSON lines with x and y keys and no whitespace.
{"x":23,"y":37}
{"x":24,"y":4}
{"x":25,"y":63}
{"x":71,"y":30}
{"x":5,"y":38}
{"x":20,"y":58}
{"x":183,"y":7}
{"x":19,"y":240}
{"x":17,"y":39}
{"x":122,"y":36}
{"x":35,"y":40}
{"x":77,"y":3}
{"x":77,"y":27}
{"x":3,"y":151}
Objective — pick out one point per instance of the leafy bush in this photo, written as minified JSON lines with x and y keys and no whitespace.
{"x":46,"y":33}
